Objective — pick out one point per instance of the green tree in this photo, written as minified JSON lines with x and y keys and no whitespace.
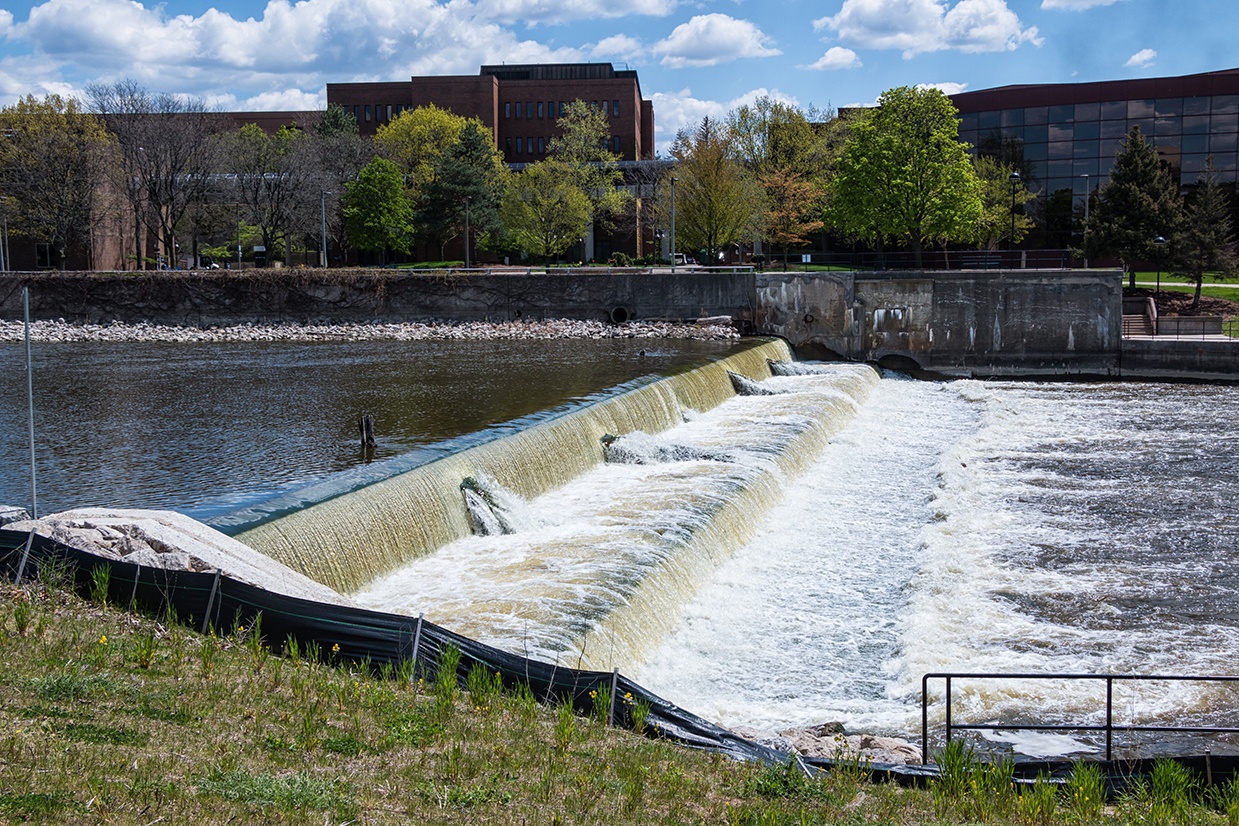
{"x":378,"y":215}
{"x":718,"y":202}
{"x":471,"y":175}
{"x":53,"y":158}
{"x":1139,"y":203}
{"x":994,"y":223}
{"x":792,"y":213}
{"x":581,"y":149}
{"x":544,"y":211}
{"x":417,"y":140}
{"x":905,"y":174}
{"x":340,"y":153}
{"x":1207,"y":240}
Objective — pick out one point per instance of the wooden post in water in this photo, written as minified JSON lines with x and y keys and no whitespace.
{"x":366,"y":425}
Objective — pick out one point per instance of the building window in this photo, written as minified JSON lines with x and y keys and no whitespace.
{"x":616,"y":142}
{"x":550,"y":108}
{"x":43,"y":255}
{"x":367,"y":113}
{"x":541,"y":146}
{"x":563,"y":107}
{"x":518,"y":111}
{"x":507,"y":146}
{"x":520,"y":146}
{"x":357,"y":113}
{"x":507,"y":110}
{"x":529,"y":109}
{"x":540,"y":110}
{"x":593,"y":104}
{"x":389,"y":113}
{"x":615,"y":108}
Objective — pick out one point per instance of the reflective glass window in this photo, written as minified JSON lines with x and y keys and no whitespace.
{"x":1168,"y":107}
{"x":1226,"y":104}
{"x":1036,"y":151}
{"x":1194,"y":164}
{"x":1196,"y":106}
{"x":1139,"y":109}
{"x":969,"y":137}
{"x":1114,"y":110}
{"x":1060,"y":149}
{"x":1062,"y":114}
{"x":1060,"y":132}
{"x":1169,"y":144}
{"x":1223,"y":142}
{"x":968,"y":122}
{"x":1012,"y":118}
{"x":1087,"y":111}
{"x":1089,"y":130}
{"x":1085,"y":149}
{"x":1195,"y":143}
{"x":1113,"y":128}
{"x":1227,"y":163}
{"x":1036,"y":116}
{"x":988,"y":120}
{"x":1036,"y":134}
{"x":1167,"y":126}
{"x":1084,"y":166}
{"x":540,"y":110}
{"x":1225,"y":123}
{"x":1196,"y":125}
{"x":1059,"y":169}
{"x":1145,"y":124}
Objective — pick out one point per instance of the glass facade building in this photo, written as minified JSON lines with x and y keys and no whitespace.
{"x":1063,"y":137}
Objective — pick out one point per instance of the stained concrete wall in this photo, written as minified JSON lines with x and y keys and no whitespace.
{"x":1017,"y":322}
{"x":362,"y":296}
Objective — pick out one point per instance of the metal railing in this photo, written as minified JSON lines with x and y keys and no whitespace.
{"x":1109,"y":727}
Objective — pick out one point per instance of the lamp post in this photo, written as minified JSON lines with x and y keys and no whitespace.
{"x":1015,"y":181}
{"x":1158,"y":243}
{"x":322,"y":205}
{"x":673,"y":180}
{"x":1088,"y":196}
{"x":468,"y":200}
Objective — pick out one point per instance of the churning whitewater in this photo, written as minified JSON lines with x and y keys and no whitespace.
{"x":806,"y":555}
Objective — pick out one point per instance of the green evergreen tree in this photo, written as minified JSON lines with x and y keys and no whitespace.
{"x":1207,"y":241}
{"x":1139,"y":203}
{"x":469,"y":176}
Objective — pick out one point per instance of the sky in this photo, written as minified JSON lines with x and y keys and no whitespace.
{"x":694,"y":59}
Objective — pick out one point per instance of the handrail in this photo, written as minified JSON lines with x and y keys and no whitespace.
{"x":1109,"y":728}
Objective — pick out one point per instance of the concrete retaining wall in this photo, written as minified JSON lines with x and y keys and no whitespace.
{"x":221,"y":298}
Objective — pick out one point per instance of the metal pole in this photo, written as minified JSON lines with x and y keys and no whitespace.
{"x":673,"y":180}
{"x":468,"y":199}
{"x":322,"y":198}
{"x":34,"y":496}
{"x":1109,"y":715}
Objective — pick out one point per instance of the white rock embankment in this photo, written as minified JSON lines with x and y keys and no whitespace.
{"x":711,"y":329}
{"x":172,"y":541}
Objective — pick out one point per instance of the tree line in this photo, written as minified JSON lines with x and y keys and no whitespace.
{"x":193,"y":185}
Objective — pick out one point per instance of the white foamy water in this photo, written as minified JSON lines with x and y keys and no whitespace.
{"x":982,"y":527}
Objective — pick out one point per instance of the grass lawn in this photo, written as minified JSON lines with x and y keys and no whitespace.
{"x":114,"y":718}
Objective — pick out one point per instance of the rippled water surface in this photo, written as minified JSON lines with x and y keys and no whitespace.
{"x":180,"y":425}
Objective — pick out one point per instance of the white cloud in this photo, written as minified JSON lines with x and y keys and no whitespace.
{"x":1074,"y":5}
{"x":680,"y":110}
{"x":1141,"y":58}
{"x":711,"y":39}
{"x":566,"y":11}
{"x":917,"y":26}
{"x":837,"y":57}
{"x":946,"y":88}
{"x":82,"y":41}
{"x":618,"y":47}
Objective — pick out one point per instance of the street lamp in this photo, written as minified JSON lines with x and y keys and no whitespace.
{"x":322,"y":198}
{"x":468,"y":200}
{"x":1015,"y":181}
{"x":673,"y":180}
{"x":1158,"y":243}
{"x":1088,"y":196}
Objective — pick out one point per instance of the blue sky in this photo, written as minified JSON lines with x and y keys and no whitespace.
{"x":694,"y":58}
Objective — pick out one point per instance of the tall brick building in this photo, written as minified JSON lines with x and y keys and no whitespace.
{"x":520,"y":104}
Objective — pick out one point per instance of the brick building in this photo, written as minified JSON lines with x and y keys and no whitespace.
{"x":520,"y":104}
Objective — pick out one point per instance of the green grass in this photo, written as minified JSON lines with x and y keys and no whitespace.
{"x":120,"y":719}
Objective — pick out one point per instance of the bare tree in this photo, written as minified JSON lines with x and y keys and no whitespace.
{"x":167,"y":156}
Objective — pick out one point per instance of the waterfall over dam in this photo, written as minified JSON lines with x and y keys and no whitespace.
{"x":352,"y":536}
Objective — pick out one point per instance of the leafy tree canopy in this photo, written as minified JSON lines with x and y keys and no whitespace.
{"x":581,"y":149}
{"x":377,"y":214}
{"x":905,"y":174}
{"x":544,"y":211}
{"x":417,"y":139}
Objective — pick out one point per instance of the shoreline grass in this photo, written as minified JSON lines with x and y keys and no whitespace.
{"x":116,"y":718}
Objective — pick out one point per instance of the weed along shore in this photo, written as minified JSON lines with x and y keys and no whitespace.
{"x":120,"y":718}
